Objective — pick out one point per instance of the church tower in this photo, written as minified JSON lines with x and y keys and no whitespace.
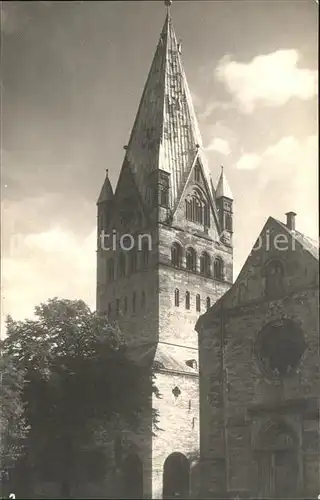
{"x":161,"y":262}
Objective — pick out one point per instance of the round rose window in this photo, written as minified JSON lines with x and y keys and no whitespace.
{"x":279,"y":348}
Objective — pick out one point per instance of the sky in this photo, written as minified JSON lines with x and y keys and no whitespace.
{"x":72,"y":78}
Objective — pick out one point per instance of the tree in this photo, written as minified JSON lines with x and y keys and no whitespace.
{"x":77,"y":377}
{"x":13,"y":428}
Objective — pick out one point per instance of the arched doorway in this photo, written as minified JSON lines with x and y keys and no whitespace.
{"x":278,"y":462}
{"x":132,"y":477}
{"x":176,"y":473}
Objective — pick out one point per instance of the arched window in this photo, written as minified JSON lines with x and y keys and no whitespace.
{"x":208,"y":301}
{"x":134,"y":302}
{"x":205,"y":264}
{"x":110,"y":270}
{"x":133,"y":260}
{"x":197,"y":209}
{"x":176,"y":297}
{"x":145,"y":254}
{"x":228,"y":222}
{"x":187,"y":300}
{"x":164,"y":196}
{"x":176,"y":255}
{"x":191,"y":259}
{"x":198,"y":303}
{"x":218,"y":268}
{"x":197,"y":173}
{"x":121,"y":265}
{"x":274,"y":278}
{"x":143,"y":299}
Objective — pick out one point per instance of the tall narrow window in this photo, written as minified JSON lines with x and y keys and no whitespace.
{"x":134,"y":302}
{"x":205,"y":264}
{"x":125,"y":305}
{"x":218,"y":268}
{"x":187,"y":300}
{"x":228,"y":222}
{"x":110,"y":270}
{"x":118,"y":307}
{"x":208,"y":303}
{"x":197,"y":173}
{"x":164,"y":196}
{"x":176,"y":255}
{"x":191,"y":259}
{"x":122,"y":265}
{"x":143,"y":299}
{"x":145,"y":254}
{"x":176,"y":297}
{"x":109,"y":309}
{"x":133,"y":260}
{"x":198,"y":303}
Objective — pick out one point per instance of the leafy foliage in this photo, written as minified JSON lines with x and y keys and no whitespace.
{"x":77,"y":379}
{"x":13,"y":428}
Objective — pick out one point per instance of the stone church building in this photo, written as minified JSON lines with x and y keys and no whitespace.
{"x":259,"y":373}
{"x":175,"y":264}
{"x":173,"y":260}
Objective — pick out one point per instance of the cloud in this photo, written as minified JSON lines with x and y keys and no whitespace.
{"x":286,"y":178}
{"x":42,"y":265}
{"x":270,"y":79}
{"x":220,"y":145}
{"x":213,"y":106}
{"x":248,"y":162}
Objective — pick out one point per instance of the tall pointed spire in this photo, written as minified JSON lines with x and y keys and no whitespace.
{"x":165,"y":134}
{"x":223,"y":188}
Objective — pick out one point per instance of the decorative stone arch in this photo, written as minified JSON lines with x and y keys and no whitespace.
{"x":276,"y":449}
{"x":176,"y":476}
{"x":132,"y":475}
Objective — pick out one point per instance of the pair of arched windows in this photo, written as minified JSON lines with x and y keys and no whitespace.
{"x":205,"y":264}
{"x":218,"y":269}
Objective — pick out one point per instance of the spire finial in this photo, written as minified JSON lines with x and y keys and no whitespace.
{"x":168,"y":3}
{"x":221,"y":169}
{"x":107,"y":172}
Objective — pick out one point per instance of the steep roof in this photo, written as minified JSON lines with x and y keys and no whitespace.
{"x":223,"y":188}
{"x":308,"y":244}
{"x":165,"y":134}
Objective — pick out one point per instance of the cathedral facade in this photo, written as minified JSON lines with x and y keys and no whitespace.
{"x":259,"y":374}
{"x":172,"y":261}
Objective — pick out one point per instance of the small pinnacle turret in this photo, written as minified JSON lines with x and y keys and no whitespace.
{"x":223,"y":188}
{"x":106,"y":193}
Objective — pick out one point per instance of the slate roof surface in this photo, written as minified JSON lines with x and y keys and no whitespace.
{"x":165,"y":134}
